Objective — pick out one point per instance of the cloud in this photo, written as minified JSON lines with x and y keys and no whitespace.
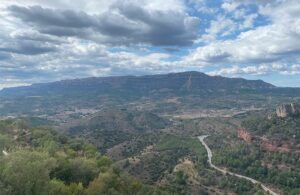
{"x":287,"y":69}
{"x":236,"y":70}
{"x":79,"y":59}
{"x":208,"y":54}
{"x":41,"y":16}
{"x":263,"y":69}
{"x":248,"y":21}
{"x":43,"y":40}
{"x":257,"y":2}
{"x":222,"y":26}
{"x":230,"y":6}
{"x":295,"y":67}
{"x":274,"y":42}
{"x":27,"y":48}
{"x":4,"y":56}
{"x":123,"y":24}
{"x":31,"y":35}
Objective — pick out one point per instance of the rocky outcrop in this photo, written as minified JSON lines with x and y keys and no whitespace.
{"x":243,"y":134}
{"x":279,"y":146}
{"x":286,"y":110}
{"x":270,"y":145}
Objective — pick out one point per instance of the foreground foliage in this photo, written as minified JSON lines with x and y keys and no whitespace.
{"x":41,"y":161}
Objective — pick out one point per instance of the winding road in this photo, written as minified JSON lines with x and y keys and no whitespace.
{"x":209,"y":154}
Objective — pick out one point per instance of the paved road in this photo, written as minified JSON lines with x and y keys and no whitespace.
{"x":209,"y":154}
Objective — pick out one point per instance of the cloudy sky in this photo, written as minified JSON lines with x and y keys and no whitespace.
{"x":43,"y":40}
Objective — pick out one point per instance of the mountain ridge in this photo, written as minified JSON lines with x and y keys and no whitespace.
{"x":182,"y":81}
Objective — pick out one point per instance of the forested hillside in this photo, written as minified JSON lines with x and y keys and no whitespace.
{"x":281,"y":128}
{"x":36,"y":159}
{"x":268,"y":150}
{"x":41,"y":161}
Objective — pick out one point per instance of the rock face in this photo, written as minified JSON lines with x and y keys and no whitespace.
{"x":286,"y":110}
{"x":280,"y":146}
{"x":243,"y":134}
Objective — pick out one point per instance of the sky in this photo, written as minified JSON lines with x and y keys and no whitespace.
{"x":44,"y":41}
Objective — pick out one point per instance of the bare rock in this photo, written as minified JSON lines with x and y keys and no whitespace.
{"x":286,"y":110}
{"x":243,"y":134}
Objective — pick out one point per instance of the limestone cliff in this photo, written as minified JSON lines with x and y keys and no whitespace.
{"x":286,"y":110}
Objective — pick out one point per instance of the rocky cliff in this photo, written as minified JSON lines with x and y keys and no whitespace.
{"x":286,"y":110}
{"x":243,"y":134}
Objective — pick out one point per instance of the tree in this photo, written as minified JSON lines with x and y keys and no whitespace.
{"x":27,"y":172}
{"x":76,"y":170}
{"x":58,"y":187}
{"x":111,"y":182}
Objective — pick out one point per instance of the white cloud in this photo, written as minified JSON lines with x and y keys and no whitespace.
{"x":295,"y":67}
{"x":278,"y":41}
{"x":236,"y":70}
{"x":279,"y":67}
{"x":231,"y":43}
{"x":262,"y":69}
{"x":221,"y":26}
{"x":229,"y":6}
{"x":290,"y":72}
{"x":248,"y":21}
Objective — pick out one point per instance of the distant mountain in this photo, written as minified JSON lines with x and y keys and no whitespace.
{"x":187,"y":82}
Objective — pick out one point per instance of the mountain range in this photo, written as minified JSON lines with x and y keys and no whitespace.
{"x":195,"y":82}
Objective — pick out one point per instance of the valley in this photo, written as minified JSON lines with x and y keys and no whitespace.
{"x":146,"y":128}
{"x":149,"y":97}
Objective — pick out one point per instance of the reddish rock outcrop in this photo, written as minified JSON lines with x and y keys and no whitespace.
{"x":243,"y":134}
{"x":278,"y":146}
